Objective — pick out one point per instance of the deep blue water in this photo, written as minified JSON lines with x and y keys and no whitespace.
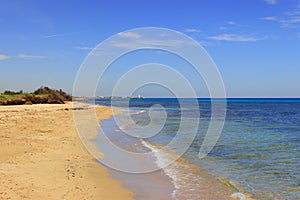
{"x":259,"y":148}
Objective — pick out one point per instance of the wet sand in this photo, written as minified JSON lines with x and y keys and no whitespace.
{"x":42,"y":157}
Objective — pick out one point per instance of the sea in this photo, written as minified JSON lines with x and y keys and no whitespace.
{"x":257,"y":153}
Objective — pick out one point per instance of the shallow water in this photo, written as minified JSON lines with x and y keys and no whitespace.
{"x":258,"y":150}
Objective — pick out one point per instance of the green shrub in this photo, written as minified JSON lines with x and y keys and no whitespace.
{"x":41,"y":95}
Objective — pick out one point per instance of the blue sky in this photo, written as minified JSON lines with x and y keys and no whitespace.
{"x":254,"y":43}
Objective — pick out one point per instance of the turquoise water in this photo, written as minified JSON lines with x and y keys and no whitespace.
{"x":258,"y":150}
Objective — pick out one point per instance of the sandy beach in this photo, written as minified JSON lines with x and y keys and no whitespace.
{"x":42,"y":156}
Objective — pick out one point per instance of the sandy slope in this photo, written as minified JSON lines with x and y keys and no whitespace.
{"x":42,"y":157}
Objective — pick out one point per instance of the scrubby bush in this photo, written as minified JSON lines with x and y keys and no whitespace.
{"x":41,"y":95}
{"x":54,"y":96}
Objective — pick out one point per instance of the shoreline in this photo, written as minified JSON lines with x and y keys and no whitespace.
{"x":42,"y":156}
{"x":212,"y":187}
{"x":149,"y":185}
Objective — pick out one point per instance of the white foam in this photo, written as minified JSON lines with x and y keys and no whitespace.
{"x":180,"y":179}
{"x":239,"y":196}
{"x":161,"y":161}
{"x":141,"y":112}
{"x":181,"y":175}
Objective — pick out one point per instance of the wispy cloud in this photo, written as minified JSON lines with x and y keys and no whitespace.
{"x":131,"y":35}
{"x":24,"y":56}
{"x":84,"y":48}
{"x":138,"y":41}
{"x":290,"y":23}
{"x":272,"y":2}
{"x":231,"y":22}
{"x":55,"y":35}
{"x":192,"y":30}
{"x":288,"y":20}
{"x":205,"y":43}
{"x":294,"y":12}
{"x":269,"y":18}
{"x":234,"y":38}
{"x":150,"y":43}
{"x":4,"y":57}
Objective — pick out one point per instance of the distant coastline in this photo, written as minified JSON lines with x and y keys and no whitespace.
{"x":108,"y":97}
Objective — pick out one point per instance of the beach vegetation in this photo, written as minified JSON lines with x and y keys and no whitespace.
{"x":41,"y":95}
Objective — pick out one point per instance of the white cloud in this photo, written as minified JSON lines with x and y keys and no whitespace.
{"x":205,"y":43}
{"x":131,"y":35}
{"x":234,"y":38}
{"x":4,"y":57}
{"x":143,"y":43}
{"x":292,"y":18}
{"x":289,"y":20}
{"x":272,"y":2}
{"x":231,"y":23}
{"x":191,"y":30}
{"x":51,"y":36}
{"x":24,"y":56}
{"x":58,"y":35}
{"x":294,"y":12}
{"x":84,"y":48}
{"x":163,"y":35}
{"x":270,"y":18}
{"x":150,"y":43}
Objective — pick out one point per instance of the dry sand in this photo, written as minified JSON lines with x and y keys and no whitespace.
{"x":42,"y":157}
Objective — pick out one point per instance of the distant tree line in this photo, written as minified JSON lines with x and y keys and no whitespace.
{"x":8,"y":92}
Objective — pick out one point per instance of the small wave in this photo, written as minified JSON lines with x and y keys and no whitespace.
{"x":160,"y":161}
{"x":188,"y":179}
{"x":180,"y":174}
{"x":239,"y":196}
{"x":141,"y":112}
{"x":125,"y":126}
